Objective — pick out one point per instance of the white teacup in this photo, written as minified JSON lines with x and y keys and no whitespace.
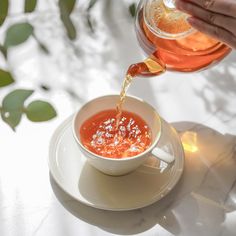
{"x":121,"y":166}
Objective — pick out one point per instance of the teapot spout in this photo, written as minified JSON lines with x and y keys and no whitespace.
{"x":151,"y":66}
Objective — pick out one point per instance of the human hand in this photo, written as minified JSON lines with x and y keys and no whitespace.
{"x":216,"y":18}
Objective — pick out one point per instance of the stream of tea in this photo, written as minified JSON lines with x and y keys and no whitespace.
{"x":149,"y":67}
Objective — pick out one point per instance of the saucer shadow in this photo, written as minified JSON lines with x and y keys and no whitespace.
{"x":118,"y":222}
{"x":198,"y":203}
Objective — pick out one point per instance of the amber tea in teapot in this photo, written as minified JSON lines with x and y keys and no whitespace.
{"x":164,"y":33}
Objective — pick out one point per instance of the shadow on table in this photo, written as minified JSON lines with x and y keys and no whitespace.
{"x":219,"y":94}
{"x":120,"y":222}
{"x":199,"y":203}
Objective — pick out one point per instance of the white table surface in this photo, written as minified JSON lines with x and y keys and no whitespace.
{"x":201,"y":104}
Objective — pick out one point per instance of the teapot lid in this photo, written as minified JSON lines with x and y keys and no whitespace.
{"x":164,"y":20}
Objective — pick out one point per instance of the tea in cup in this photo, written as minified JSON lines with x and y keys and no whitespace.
{"x":118,"y":148}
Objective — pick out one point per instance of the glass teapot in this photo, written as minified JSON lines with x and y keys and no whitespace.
{"x":170,"y":42}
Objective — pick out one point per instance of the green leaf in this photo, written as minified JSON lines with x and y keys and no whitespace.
{"x":13,"y":105}
{"x":38,"y":111}
{"x":91,"y":4}
{"x":17,"y":34}
{"x":3,"y":10}
{"x":66,"y":8}
{"x":68,"y":5}
{"x":70,"y":28}
{"x":5,"y":78}
{"x":132,"y":9}
{"x":12,"y":118}
{"x":15,"y":99}
{"x":30,"y":5}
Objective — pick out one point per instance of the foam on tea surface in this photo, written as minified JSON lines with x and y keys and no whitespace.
{"x":100,"y":134}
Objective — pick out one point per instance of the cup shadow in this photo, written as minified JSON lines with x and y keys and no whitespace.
{"x":197,"y":205}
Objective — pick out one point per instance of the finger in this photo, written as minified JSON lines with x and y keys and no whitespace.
{"x":227,"y":22}
{"x":214,"y":31}
{"x":225,"y":7}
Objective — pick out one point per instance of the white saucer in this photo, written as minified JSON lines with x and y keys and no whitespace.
{"x":148,"y":184}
